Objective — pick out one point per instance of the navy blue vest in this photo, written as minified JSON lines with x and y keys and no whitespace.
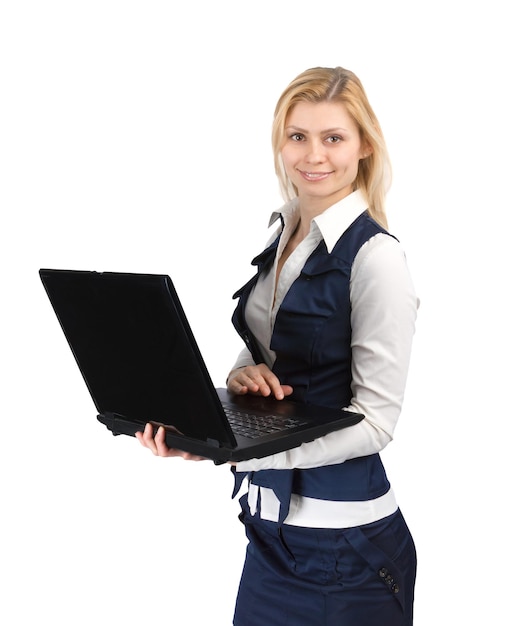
{"x":312,"y":342}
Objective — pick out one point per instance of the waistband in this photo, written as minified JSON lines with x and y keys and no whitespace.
{"x":314,"y":513}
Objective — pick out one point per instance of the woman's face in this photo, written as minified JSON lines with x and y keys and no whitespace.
{"x":321,"y":152}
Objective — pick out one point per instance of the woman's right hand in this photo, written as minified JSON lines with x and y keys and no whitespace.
{"x":257,"y":380}
{"x":154,"y":440}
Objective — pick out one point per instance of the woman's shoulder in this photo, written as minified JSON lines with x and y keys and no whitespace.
{"x":382,"y":254}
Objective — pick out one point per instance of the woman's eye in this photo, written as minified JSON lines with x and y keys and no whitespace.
{"x":297,"y":137}
{"x":334,"y":139}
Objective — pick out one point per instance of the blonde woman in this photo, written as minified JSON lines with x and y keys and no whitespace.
{"x":328,"y":319}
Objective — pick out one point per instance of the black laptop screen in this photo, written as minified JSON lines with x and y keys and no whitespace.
{"x":133,"y":349}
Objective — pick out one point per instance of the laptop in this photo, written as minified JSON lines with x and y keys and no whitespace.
{"x":135,"y":349}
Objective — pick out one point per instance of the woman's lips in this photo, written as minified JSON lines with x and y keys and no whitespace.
{"x":314,"y":176}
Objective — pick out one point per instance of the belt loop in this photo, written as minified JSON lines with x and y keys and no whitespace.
{"x":252,"y":499}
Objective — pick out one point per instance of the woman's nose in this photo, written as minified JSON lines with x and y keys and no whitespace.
{"x":315,"y":152}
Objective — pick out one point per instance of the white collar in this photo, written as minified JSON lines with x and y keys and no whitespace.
{"x":331,"y":223}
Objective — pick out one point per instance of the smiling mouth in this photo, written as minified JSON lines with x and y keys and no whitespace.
{"x":314,"y":176}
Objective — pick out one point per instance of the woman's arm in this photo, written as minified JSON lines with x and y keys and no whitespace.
{"x":384,"y":310}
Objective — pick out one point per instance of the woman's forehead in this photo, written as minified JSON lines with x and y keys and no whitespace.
{"x":320,"y":116}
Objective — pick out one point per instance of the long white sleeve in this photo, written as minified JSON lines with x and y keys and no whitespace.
{"x":384,"y":309}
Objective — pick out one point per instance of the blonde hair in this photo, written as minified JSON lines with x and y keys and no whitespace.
{"x":322,"y":84}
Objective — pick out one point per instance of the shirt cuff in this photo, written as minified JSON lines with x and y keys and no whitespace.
{"x":274,"y":461}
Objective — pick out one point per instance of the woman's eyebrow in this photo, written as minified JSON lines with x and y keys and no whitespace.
{"x":322,"y":132}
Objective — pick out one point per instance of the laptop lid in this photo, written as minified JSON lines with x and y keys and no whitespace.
{"x":140,"y":361}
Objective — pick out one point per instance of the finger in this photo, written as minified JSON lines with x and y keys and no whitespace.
{"x":273,"y":384}
{"x":161,"y":445}
{"x":148,"y":432}
{"x":140,"y":437}
{"x":187,"y":456}
{"x":236,"y":386}
{"x":287,"y":389}
{"x":243,"y":382}
{"x":251,"y":381}
{"x":259,"y":379}
{"x":279,"y":391}
{"x":149,"y":439}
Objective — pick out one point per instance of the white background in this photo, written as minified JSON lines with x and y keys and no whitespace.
{"x":135,"y":136}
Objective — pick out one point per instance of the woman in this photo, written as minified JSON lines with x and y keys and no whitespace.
{"x":328,"y":319}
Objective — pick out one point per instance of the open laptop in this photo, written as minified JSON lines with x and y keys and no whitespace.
{"x":141,"y":363}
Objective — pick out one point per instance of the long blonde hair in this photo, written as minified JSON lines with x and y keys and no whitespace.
{"x":322,"y":84}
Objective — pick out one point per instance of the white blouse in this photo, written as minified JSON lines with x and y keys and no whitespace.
{"x":383,"y":314}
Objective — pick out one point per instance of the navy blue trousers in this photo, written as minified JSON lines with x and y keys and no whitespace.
{"x":320,"y":577}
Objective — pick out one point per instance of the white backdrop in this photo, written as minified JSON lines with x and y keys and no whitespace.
{"x":135,"y":137}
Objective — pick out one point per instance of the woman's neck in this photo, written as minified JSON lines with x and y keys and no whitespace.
{"x":310,"y":207}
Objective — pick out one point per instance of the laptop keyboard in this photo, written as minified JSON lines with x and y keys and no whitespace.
{"x":253,"y":426}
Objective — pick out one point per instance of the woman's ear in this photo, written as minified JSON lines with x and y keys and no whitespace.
{"x":366,"y":152}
